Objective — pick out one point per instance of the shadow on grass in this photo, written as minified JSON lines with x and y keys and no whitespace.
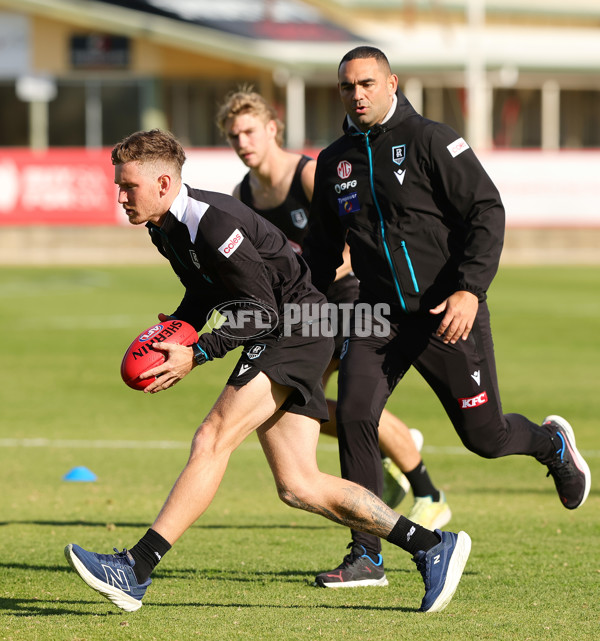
{"x":249,"y":576}
{"x":40,"y":607}
{"x":192,"y":574}
{"x":146,"y":524}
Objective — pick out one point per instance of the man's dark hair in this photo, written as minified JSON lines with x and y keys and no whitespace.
{"x":365,"y":51}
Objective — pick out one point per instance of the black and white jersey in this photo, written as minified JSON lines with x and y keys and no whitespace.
{"x":223,"y":251}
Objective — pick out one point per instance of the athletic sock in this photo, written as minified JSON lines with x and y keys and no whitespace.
{"x":412,"y":537}
{"x":420,"y":482}
{"x":147,"y":552}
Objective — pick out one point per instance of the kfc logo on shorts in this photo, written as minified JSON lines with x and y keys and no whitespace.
{"x":231,"y":244}
{"x":473,"y":401}
{"x":344,"y":169}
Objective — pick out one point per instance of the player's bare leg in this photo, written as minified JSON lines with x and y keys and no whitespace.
{"x":290,"y":445}
{"x":236,"y":414}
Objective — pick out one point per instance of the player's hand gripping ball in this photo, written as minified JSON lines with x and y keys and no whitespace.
{"x":140,"y":357}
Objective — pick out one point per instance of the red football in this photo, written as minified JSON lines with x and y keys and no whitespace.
{"x":140,"y":357}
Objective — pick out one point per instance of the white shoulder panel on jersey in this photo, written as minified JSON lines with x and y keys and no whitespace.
{"x":188,"y":211}
{"x":192,"y":216}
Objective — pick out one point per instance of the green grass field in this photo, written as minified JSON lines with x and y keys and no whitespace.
{"x":244,"y":571}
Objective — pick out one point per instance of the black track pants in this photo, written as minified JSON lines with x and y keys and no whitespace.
{"x":463,"y":376}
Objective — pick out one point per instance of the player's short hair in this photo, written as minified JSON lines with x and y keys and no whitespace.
{"x":246,"y":101}
{"x":155,"y":147}
{"x":365,"y":51}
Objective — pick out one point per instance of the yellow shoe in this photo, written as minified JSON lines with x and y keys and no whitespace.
{"x":395,"y":484}
{"x":429,"y":513}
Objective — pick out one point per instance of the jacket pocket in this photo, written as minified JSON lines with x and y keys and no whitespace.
{"x":406,"y":270}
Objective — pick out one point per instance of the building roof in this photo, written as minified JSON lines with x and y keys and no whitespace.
{"x":309,"y":37}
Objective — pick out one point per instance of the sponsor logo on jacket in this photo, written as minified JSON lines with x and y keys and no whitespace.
{"x":348,"y":204}
{"x":344,"y":169}
{"x":350,"y":184}
{"x":457,"y":147}
{"x":231,"y":244}
{"x":473,"y":401}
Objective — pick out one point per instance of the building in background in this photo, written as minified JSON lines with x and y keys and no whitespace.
{"x":506,"y":74}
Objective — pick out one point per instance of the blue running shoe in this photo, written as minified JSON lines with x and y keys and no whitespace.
{"x":109,"y":574}
{"x":441,"y":568}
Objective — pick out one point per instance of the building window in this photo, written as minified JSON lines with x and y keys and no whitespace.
{"x":517,"y":121}
{"x":66,"y":117}
{"x":15,"y":112}
{"x":579,"y":119}
{"x":120,"y":111}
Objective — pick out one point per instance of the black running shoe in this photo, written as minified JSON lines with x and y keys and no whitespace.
{"x":571,"y":473}
{"x":356,"y":570}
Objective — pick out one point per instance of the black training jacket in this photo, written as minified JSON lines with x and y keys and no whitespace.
{"x":223,"y":251}
{"x":421,"y":216}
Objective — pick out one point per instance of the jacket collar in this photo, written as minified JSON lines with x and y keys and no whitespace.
{"x":400,"y":110}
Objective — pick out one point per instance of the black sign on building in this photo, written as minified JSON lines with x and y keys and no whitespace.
{"x":99,"y":52}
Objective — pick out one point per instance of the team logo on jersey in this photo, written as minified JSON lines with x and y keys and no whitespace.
{"x":299,"y":218}
{"x":344,"y":169}
{"x":231,"y":244}
{"x":255,"y":351}
{"x":194,"y":258}
{"x":457,"y":147}
{"x":344,"y":351}
{"x":399,"y":154}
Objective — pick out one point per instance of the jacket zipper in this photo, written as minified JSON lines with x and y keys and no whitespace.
{"x":410,"y":266}
{"x":382,"y":227}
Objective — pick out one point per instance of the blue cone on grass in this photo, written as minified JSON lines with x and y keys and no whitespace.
{"x":80,"y":473}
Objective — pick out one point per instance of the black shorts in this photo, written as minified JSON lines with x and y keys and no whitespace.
{"x":344,"y":290}
{"x":295,"y":361}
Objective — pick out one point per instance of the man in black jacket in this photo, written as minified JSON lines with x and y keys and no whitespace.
{"x":425,"y":226}
{"x":229,"y":257}
{"x":279,"y":186}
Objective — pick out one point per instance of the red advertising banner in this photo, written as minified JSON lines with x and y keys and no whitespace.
{"x":58,"y":187}
{"x":75,"y":187}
